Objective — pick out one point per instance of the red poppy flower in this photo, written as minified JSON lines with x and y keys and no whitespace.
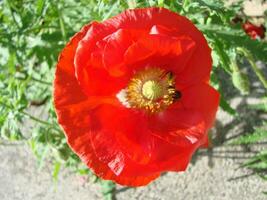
{"x":132,"y":94}
{"x":255,"y":32}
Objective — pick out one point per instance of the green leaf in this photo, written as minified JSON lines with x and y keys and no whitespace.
{"x":227,"y":107}
{"x":160,"y":3}
{"x":40,"y":6}
{"x":255,"y":159}
{"x":241,"y":81}
{"x":218,"y":48}
{"x":260,"y":106}
{"x":108,"y":188}
{"x":259,"y":135}
{"x":258,"y":48}
{"x":56,"y":169}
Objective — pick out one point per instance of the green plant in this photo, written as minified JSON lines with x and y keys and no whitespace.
{"x":258,"y":162}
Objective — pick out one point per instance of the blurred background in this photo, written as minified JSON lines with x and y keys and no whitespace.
{"x":37,"y":164}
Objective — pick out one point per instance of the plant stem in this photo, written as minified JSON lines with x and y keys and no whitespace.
{"x":32,"y":117}
{"x":36,"y":119}
{"x":62,"y":25}
{"x":12,"y":14}
{"x":132,"y":4}
{"x":255,"y":68}
{"x":186,"y":3}
{"x":161,"y":3}
{"x":41,"y":81}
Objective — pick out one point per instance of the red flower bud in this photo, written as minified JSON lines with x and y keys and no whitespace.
{"x":132,"y":94}
{"x":254,"y":31}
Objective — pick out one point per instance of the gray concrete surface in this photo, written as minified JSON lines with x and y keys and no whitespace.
{"x":21,"y":180}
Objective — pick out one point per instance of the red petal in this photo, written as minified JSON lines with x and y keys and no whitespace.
{"x":178,"y":50}
{"x":200,"y":63}
{"x":91,"y":136}
{"x":73,"y":109}
{"x":182,"y":127}
{"x":198,"y":67}
{"x":188,"y":124}
{"x":65,"y":84}
{"x":117,"y":44}
{"x":204,"y":99}
{"x":123,"y":141}
{"x":162,"y":30}
{"x":121,"y":123}
{"x":149,"y":17}
{"x":89,"y":68}
{"x":70,"y":102}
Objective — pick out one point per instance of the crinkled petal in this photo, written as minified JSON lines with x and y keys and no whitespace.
{"x":174,"y":52}
{"x":199,"y":66}
{"x":203,"y":99}
{"x":162,"y":30}
{"x":88,"y":63}
{"x":123,"y":140}
{"x":117,"y":43}
{"x":118,"y":143}
{"x":179,"y":126}
{"x":73,"y":109}
{"x":127,"y":128}
{"x":157,"y":21}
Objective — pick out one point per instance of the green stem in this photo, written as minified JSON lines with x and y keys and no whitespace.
{"x":161,"y":3}
{"x":32,"y":117}
{"x":62,"y":25}
{"x":185,"y":2}
{"x":12,"y":14}
{"x":132,"y":4}
{"x":36,"y":119}
{"x":234,"y":66}
{"x":40,"y":81}
{"x":255,"y":68}
{"x":218,"y":29}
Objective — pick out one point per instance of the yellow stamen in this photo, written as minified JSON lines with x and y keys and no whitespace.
{"x":151,"y":89}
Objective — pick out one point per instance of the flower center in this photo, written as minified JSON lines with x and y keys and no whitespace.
{"x":151,"y":89}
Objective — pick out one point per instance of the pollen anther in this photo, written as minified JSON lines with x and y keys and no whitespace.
{"x":151,"y":89}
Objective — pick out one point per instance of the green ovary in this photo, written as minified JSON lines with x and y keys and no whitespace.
{"x":152,"y":90}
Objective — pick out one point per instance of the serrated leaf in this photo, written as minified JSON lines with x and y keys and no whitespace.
{"x":227,"y":107}
{"x":255,"y":159}
{"x":259,"y":135}
{"x":258,"y":48}
{"x":258,"y":166}
{"x":241,"y":82}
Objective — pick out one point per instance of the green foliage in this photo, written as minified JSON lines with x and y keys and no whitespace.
{"x":258,"y":162}
{"x":108,"y":189}
{"x":32,"y":33}
{"x":261,"y":106}
{"x":241,"y":81}
{"x":260,"y":134}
